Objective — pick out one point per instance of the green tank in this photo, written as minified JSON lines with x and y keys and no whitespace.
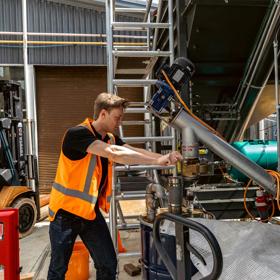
{"x":264,"y":153}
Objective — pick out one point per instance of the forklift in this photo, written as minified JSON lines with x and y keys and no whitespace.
{"x":14,"y":166}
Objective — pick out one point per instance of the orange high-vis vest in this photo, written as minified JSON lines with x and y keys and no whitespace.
{"x":77,"y":182}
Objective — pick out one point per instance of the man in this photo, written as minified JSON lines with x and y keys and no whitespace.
{"x":83,"y":185}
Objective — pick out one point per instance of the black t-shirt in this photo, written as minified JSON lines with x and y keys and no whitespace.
{"x":75,"y":144}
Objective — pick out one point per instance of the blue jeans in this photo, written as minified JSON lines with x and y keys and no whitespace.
{"x":94,"y":234}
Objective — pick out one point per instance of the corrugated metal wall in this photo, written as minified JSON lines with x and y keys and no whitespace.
{"x":10,"y":20}
{"x":47,"y":16}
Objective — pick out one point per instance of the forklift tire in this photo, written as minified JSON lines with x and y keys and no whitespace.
{"x":27,"y":215}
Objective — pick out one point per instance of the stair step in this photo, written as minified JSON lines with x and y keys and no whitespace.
{"x":133,"y":82}
{"x":126,"y":25}
{"x":135,"y":122}
{"x":141,"y":53}
{"x":136,"y":110}
{"x":130,"y":10}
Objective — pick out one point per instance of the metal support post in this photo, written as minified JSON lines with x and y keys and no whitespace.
{"x":30,"y":109}
{"x":275,"y":48}
{"x":182,"y":253}
{"x":113,"y":211}
{"x":171,"y":60}
{"x":109,"y":33}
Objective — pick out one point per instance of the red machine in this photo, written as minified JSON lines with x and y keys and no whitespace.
{"x":9,"y":244}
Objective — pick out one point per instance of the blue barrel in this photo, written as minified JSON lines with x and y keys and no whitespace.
{"x":152,"y":266}
{"x":264,"y":153}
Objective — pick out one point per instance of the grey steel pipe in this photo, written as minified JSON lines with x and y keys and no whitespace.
{"x":157,"y":20}
{"x":264,"y":46}
{"x":225,"y":151}
{"x":128,"y":196}
{"x":154,"y":193}
{"x":129,"y":226}
{"x":129,"y":254}
{"x":189,"y":143}
{"x":142,"y":167}
{"x":141,"y":53}
{"x":148,"y":9}
{"x":175,"y":196}
{"x":133,"y":82}
{"x":256,"y":53}
{"x":147,"y":139}
{"x":113,"y":211}
{"x":275,"y":49}
{"x":139,"y":24}
{"x":29,"y":96}
{"x":130,"y":10}
{"x":109,"y":33}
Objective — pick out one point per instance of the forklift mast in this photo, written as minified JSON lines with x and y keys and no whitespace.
{"x":13,"y":167}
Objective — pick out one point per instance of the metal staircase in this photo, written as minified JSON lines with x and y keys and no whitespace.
{"x":130,"y":64}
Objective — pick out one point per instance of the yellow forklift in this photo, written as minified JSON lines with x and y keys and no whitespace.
{"x":14,"y":168}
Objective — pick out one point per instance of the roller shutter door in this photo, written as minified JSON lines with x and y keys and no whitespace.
{"x":65,"y":97}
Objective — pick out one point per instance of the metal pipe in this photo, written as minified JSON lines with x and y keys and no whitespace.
{"x":119,"y":211}
{"x":171,"y":31}
{"x":189,"y":143}
{"x":70,"y":43}
{"x":133,"y":82}
{"x":175,"y":196}
{"x":130,"y":10}
{"x":142,"y":167}
{"x":252,"y":63}
{"x":154,"y":193}
{"x":157,"y":20}
{"x":241,"y":130}
{"x":148,"y":9}
{"x":113,"y":211}
{"x":29,"y":101}
{"x":130,"y":254}
{"x":125,"y":25}
{"x":141,"y":53}
{"x":263,"y":48}
{"x":125,"y":123}
{"x":130,"y":196}
{"x":128,"y":226}
{"x":136,"y":110}
{"x":262,"y":130}
{"x":275,"y":49}
{"x":71,"y":35}
{"x":171,"y":60}
{"x":225,"y":151}
{"x":145,"y":139}
{"x":109,"y":33}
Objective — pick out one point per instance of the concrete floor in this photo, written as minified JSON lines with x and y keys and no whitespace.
{"x":35,"y":253}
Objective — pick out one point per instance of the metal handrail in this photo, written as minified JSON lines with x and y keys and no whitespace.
{"x":204,"y":231}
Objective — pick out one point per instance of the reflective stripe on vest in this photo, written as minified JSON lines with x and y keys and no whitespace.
{"x":84,"y":195}
{"x":51,"y":213}
{"x":74,"y":193}
{"x":91,"y":167}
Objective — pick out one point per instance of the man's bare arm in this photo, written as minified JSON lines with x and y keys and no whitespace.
{"x":173,"y":156}
{"x":124,"y":155}
{"x":143,"y":151}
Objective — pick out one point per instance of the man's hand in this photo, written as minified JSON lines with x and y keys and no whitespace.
{"x":174,"y":157}
{"x":169,"y":159}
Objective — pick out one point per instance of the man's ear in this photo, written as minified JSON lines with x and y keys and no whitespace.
{"x":103,"y":113}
